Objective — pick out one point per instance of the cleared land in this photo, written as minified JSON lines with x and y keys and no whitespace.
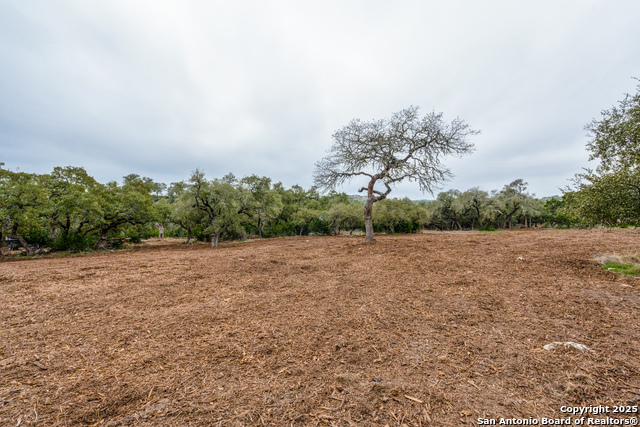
{"x":430,"y":329}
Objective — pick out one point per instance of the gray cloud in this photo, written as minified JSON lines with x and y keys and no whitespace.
{"x":160,"y":88}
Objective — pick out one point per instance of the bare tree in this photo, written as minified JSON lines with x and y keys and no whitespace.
{"x":406,"y":146}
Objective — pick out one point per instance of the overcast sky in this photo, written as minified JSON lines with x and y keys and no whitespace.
{"x":160,"y":88}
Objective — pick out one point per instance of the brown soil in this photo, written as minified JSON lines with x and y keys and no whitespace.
{"x":430,"y":329}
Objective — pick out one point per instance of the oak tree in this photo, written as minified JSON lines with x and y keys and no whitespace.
{"x":22,"y":204}
{"x":222,"y":204}
{"x":609,"y":195}
{"x":406,"y":146}
{"x":615,"y":138}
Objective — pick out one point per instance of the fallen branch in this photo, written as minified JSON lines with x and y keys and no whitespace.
{"x":415,"y":399}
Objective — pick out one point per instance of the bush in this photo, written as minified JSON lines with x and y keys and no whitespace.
{"x":280,"y":229}
{"x":199,"y":233}
{"x":116,"y":242}
{"x":38,"y":236}
{"x":319,"y":227}
{"x":134,"y":235}
{"x":488,"y":226}
{"x":73,"y":242}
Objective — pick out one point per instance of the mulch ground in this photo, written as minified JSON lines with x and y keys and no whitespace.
{"x":429,"y":329}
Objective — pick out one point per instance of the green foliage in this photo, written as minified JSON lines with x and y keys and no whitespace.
{"x":264,"y":203}
{"x":162,"y":210}
{"x":73,"y":206}
{"x":199,"y":232}
{"x":68,"y":210}
{"x":281,"y":228}
{"x":476,"y":206}
{"x":73,"y":242}
{"x":184,"y":210}
{"x":222,"y":204}
{"x":514,"y":203}
{"x":397,"y":216}
{"x":610,"y":195}
{"x":628,"y":269}
{"x":450,"y":213}
{"x":320,"y":227}
{"x":555,"y":212}
{"x":344,"y":215}
{"x":128,"y":205}
{"x":473,"y":209}
{"x":488,"y":227}
{"x":134,"y":234}
{"x":615,"y":138}
{"x":23,"y":200}
{"x":611,"y":198}
{"x":303,"y":217}
{"x":38,"y":236}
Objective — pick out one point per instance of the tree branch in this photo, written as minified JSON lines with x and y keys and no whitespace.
{"x":384,"y":195}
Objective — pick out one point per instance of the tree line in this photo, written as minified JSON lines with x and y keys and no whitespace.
{"x":68,"y":210}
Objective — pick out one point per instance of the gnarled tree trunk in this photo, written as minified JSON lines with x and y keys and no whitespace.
{"x":368,"y":219}
{"x":260,"y":224}
{"x":25,"y":245}
{"x":371,"y":199}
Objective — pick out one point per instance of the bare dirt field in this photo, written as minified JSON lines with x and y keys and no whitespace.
{"x":430,"y":329}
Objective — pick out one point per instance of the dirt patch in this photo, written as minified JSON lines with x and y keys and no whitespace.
{"x":429,"y":329}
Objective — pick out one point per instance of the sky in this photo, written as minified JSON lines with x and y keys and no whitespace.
{"x":160,"y":88}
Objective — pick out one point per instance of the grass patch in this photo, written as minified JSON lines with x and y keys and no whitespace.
{"x":501,"y":231}
{"x":623,"y":264}
{"x":629,"y":269}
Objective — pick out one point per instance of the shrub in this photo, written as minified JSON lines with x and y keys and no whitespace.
{"x":624,"y":264}
{"x":73,"y":242}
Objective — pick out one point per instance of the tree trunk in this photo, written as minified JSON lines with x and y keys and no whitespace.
{"x":188,"y":236}
{"x":214,"y":240}
{"x":371,"y":199}
{"x":25,"y":245}
{"x":160,"y":230}
{"x":100,"y":241}
{"x":368,"y":219}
